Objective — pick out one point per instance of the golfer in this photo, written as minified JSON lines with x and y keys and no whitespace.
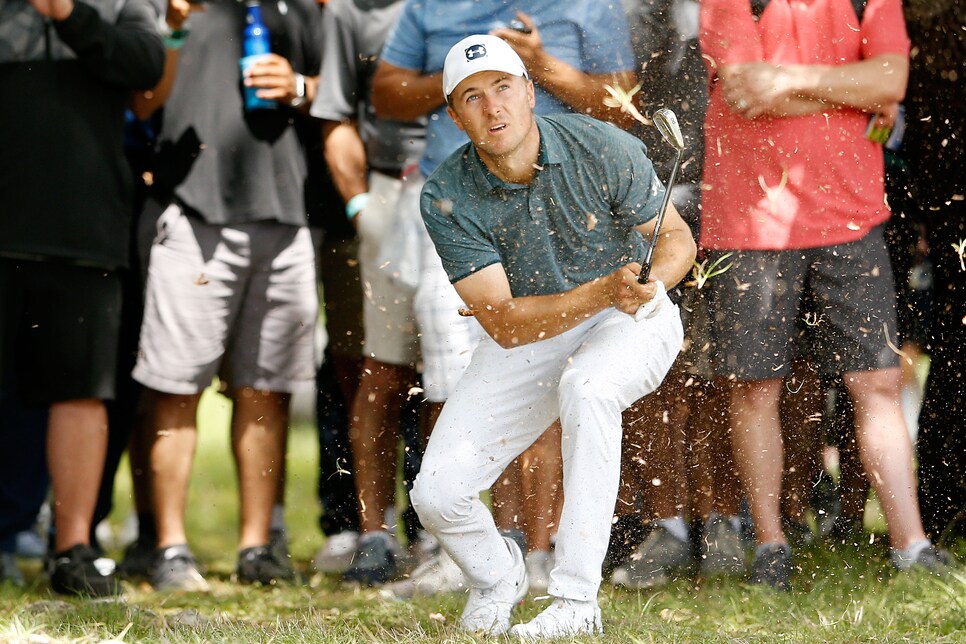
{"x":538,"y":222}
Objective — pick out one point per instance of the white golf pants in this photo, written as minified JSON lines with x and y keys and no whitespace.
{"x":506,"y":399}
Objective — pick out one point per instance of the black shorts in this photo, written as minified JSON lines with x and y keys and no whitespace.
{"x":59,"y":330}
{"x":836,"y":303}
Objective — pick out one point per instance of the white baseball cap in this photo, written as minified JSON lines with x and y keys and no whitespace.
{"x":479,"y":53}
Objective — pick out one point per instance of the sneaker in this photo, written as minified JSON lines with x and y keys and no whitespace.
{"x":174,"y":569}
{"x":138,"y":558}
{"x":721,"y":550}
{"x":655,"y":561}
{"x":488,"y":610}
{"x":79,"y":571}
{"x":930,"y":559}
{"x":772,"y":566}
{"x":30,"y":545}
{"x":259,"y":565}
{"x":9,"y":570}
{"x":539,"y":565}
{"x":337,"y":552}
{"x":439,"y":574}
{"x":374,"y":561}
{"x":563,"y":618}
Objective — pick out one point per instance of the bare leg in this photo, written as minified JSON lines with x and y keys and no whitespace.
{"x":802,"y":408}
{"x":259,"y":430}
{"x":886,"y":451}
{"x":171,"y":445}
{"x":76,"y":448}
{"x":757,"y":442}
{"x":661,"y":435}
{"x":542,"y":477}
{"x":506,"y":497}
{"x":374,"y":435}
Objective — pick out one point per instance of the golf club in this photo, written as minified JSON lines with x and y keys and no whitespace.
{"x":667,"y":124}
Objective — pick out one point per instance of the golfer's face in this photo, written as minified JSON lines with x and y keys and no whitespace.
{"x":495,"y":109}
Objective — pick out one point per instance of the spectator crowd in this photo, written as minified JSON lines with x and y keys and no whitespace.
{"x":179,"y":208}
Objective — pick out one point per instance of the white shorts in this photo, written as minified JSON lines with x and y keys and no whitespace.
{"x":236,"y":301}
{"x":410,"y":310}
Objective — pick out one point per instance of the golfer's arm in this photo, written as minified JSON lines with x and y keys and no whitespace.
{"x":516,"y":321}
{"x":346,"y":155}
{"x":583,"y":92}
{"x":675,"y":250}
{"x":405,"y":94}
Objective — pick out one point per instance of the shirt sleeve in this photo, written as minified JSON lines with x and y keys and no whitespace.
{"x":640,"y":192}
{"x":406,"y":45}
{"x":728,"y":33}
{"x":462,"y":250}
{"x":884,"y":29}
{"x":606,"y":39}
{"x":337,"y":98}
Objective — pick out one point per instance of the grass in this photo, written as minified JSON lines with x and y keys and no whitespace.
{"x":845,"y":596}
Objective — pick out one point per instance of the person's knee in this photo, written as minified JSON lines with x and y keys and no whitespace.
{"x":439,"y":501}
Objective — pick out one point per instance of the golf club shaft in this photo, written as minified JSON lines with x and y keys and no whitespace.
{"x":646,"y":264}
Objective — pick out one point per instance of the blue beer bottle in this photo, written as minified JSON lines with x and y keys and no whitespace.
{"x":255,"y":44}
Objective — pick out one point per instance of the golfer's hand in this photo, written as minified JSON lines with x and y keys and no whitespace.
{"x":627,"y":294}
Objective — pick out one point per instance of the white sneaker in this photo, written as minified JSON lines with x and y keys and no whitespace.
{"x":563,"y":618}
{"x":488,"y":609}
{"x":336,"y":553}
{"x":539,"y":565}
{"x":438,"y":574}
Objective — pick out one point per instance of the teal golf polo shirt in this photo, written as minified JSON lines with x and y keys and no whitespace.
{"x":573,"y":223}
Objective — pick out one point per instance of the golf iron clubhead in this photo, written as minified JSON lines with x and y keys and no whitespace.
{"x":667,"y":124}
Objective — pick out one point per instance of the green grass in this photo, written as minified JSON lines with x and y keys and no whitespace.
{"x":845,"y":596}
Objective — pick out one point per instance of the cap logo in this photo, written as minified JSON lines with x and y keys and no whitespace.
{"x":474,"y":52}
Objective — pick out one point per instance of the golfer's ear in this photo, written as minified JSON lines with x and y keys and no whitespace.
{"x":456,"y":119}
{"x":531,"y":94}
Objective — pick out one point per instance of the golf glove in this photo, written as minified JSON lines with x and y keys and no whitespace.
{"x":658,"y":303}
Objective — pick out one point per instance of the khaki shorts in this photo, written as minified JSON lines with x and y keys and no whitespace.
{"x":405,"y":323}
{"x":236,"y":301}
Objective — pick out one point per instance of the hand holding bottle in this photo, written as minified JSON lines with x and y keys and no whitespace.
{"x":273,"y":79}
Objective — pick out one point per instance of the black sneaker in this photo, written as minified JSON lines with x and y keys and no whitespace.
{"x":278,"y":544}
{"x":138,"y":559}
{"x":79,"y":571}
{"x":374,"y":561}
{"x":772,"y":566}
{"x":259,"y":565}
{"x":175,"y":569}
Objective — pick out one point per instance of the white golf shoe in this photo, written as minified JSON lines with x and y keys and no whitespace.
{"x":488,"y":609}
{"x":563,"y":618}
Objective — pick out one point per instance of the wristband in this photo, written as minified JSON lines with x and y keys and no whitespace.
{"x":356,"y":204}
{"x":173,"y":38}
